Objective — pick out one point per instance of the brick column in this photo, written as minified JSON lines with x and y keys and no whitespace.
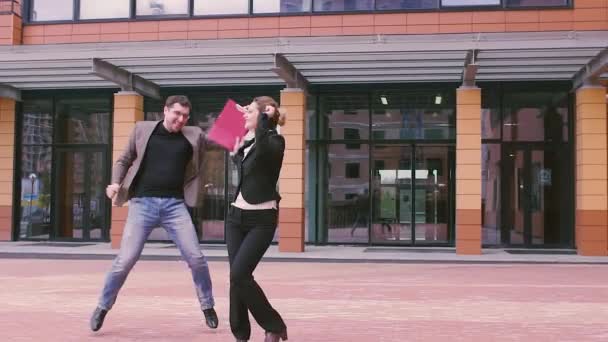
{"x":468,"y":170}
{"x":10,"y":23}
{"x":128,"y":109}
{"x":591,"y":172}
{"x":291,"y":180}
{"x":7,"y":151}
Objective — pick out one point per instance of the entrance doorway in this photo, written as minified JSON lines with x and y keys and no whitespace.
{"x":535,"y":195}
{"x":80,"y":207}
{"x":412,"y":194}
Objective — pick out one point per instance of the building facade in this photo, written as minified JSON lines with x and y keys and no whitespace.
{"x":466,"y":123}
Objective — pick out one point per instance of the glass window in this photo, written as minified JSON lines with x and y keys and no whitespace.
{"x":346,"y":189}
{"x":37,"y":127}
{"x":414,"y":114}
{"x":344,"y":114}
{"x":343,"y":5}
{"x":490,"y":113}
{"x":281,"y":6}
{"x":406,"y":4}
{"x":44,"y":10}
{"x":35,"y":220}
{"x":455,"y":3}
{"x":490,"y":193}
{"x":84,"y":120}
{"x":162,"y":7}
{"x":536,"y":3}
{"x":213,"y":7}
{"x":352,"y":170}
{"x":535,"y":116}
{"x":351,"y":134}
{"x":95,"y":9}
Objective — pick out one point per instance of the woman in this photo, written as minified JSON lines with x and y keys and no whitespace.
{"x":252,"y":218}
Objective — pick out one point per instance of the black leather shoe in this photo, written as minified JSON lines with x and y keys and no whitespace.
{"x":211,"y":318}
{"x":97,"y":319}
{"x":239,"y":340}
{"x":274,"y":337}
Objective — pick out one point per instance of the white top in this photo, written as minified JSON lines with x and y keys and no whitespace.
{"x":242,"y":204}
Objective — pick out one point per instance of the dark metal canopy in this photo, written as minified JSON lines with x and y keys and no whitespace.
{"x":127,"y":81}
{"x":303,"y":61}
{"x":592,"y":71}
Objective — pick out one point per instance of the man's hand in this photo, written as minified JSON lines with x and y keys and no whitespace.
{"x":112,"y":190}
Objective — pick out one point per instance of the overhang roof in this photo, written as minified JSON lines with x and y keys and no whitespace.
{"x":321,"y":60}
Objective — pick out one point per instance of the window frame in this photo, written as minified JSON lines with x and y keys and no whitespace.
{"x":27,"y":7}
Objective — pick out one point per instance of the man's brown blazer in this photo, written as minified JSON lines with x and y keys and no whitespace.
{"x":127,"y":165}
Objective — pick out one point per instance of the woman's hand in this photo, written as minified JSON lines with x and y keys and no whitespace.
{"x":270,"y":111}
{"x":237,"y":144}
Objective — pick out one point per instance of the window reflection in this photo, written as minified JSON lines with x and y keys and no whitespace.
{"x":281,"y":6}
{"x":470,"y":2}
{"x":343,"y":5}
{"x":535,"y":116}
{"x":413,"y":115}
{"x":490,"y":193}
{"x":95,"y":9}
{"x":347,"y":196}
{"x":37,"y":127}
{"x":212,"y":7}
{"x":406,"y":4}
{"x":538,"y":3}
{"x":162,"y":7}
{"x":84,"y":120}
{"x":46,"y":10}
{"x":345,"y":116}
{"x":35,"y":220}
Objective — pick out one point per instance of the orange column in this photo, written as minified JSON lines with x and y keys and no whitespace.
{"x":7,"y":160}
{"x":291,"y":180}
{"x":591,"y":172}
{"x":10,"y":23}
{"x":468,"y":170}
{"x":128,"y":109}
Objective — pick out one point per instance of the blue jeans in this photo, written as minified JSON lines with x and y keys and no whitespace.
{"x":145,"y":214}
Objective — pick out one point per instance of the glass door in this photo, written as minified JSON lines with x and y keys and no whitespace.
{"x":411,"y":203}
{"x":80,"y":206}
{"x":535,"y":196}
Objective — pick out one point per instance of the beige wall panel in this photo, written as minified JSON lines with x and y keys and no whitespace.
{"x":592,"y":202}
{"x":128,"y":101}
{"x":468,"y":96}
{"x":591,"y":111}
{"x":293,"y":156}
{"x":292,"y":200}
{"x":591,"y":142}
{"x":591,"y":157}
{"x":590,"y":126}
{"x":590,"y":95}
{"x":591,"y":172}
{"x":468,"y":187}
{"x":291,"y":186}
{"x":591,"y":187}
{"x":468,"y":202}
{"x":468,"y":142}
{"x":469,"y":126}
{"x":292,"y":98}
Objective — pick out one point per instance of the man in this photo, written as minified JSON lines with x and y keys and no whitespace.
{"x":159,"y":173}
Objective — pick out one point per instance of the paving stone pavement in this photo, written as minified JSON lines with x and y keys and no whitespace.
{"x":51,"y":300}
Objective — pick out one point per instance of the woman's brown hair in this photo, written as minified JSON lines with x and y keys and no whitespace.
{"x":279,"y":117}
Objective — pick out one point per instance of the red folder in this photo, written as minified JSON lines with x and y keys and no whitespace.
{"x":229,"y":126}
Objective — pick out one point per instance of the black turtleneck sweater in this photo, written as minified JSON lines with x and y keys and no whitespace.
{"x":162,"y":170}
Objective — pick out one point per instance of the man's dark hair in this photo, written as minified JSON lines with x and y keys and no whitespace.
{"x":181,"y":99}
